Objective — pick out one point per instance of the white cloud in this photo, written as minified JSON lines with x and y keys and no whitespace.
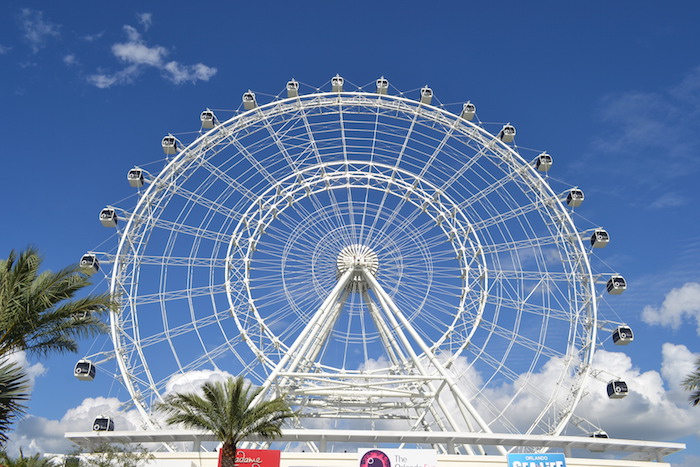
{"x":193,"y":380}
{"x":145,"y":20}
{"x":680,"y":304}
{"x":39,"y":434}
{"x":4,"y":49}
{"x":32,"y":370}
{"x":36,"y":29}
{"x":668,"y":200}
{"x":137,"y":56}
{"x":70,"y":59}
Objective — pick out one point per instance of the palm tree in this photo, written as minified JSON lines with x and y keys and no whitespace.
{"x":38,"y":312}
{"x":34,"y":461}
{"x":14,"y":391}
{"x":39,"y":315}
{"x":692,"y":383}
{"x":227,"y":409}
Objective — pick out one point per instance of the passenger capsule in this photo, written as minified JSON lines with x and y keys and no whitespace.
{"x":84,"y":370}
{"x":135,"y":177}
{"x":103,"y":424}
{"x":544,"y":162}
{"x":468,"y":111}
{"x":337,"y":83}
{"x":170,"y":145}
{"x":623,"y":335}
{"x":575,"y":198}
{"x":507,"y":133}
{"x":292,"y":88}
{"x":600,"y":238}
{"x":616,"y":285}
{"x":89,"y":263}
{"x":108,"y":217}
{"x":599,"y":434}
{"x":617,"y":389}
{"x":426,"y":95}
{"x":249,"y":101}
{"x":382,"y":85}
{"x":208,"y":119}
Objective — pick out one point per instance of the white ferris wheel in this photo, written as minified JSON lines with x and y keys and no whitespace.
{"x":382,"y":262}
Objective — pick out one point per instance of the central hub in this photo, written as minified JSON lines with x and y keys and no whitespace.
{"x":357,"y":257}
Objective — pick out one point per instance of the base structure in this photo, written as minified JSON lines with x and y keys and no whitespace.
{"x":630,"y":453}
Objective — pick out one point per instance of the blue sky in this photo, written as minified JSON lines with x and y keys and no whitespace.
{"x":611,"y":90}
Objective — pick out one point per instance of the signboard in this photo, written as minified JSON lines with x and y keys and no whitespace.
{"x":256,"y":458}
{"x":397,"y":457}
{"x":536,"y":460}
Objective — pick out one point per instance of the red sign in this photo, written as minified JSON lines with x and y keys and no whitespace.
{"x":256,"y":458}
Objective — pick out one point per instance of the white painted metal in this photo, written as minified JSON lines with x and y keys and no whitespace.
{"x":385,"y":264}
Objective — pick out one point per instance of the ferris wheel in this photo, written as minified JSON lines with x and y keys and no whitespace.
{"x":382,"y":262}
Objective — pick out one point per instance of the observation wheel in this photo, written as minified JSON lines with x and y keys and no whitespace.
{"x":384,"y":263}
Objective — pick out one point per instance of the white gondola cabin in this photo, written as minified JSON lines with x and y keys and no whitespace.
{"x":208,"y":119}
{"x":623,"y":335}
{"x":600,"y":238}
{"x":249,"y":101}
{"x":575,"y":198}
{"x":616,"y":285}
{"x":599,"y":434}
{"x":507,"y":133}
{"x":468,"y":111}
{"x":382,"y":85}
{"x":617,"y":389}
{"x":169,"y":144}
{"x":135,"y":177}
{"x":108,"y":217}
{"x":544,"y":162}
{"x":89,"y":263}
{"x":292,"y":88}
{"x":84,"y":370}
{"x":337,"y":83}
{"x":103,"y":424}
{"x":426,"y":95}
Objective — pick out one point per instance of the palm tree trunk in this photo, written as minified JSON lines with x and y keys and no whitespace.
{"x":227,"y":455}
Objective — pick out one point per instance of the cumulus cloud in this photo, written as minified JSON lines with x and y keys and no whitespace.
{"x":680,"y":304}
{"x":193,"y":380}
{"x":38,"y":434}
{"x":33,"y":370}
{"x":37,"y":30}
{"x":137,"y":56}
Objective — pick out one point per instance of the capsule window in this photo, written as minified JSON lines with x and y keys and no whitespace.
{"x":249,"y":101}
{"x":337,"y":83}
{"x":90,"y":263}
{"x":84,"y":370}
{"x":544,"y":162}
{"x":468,"y":111}
{"x":169,"y":145}
{"x":103,"y":424}
{"x":208,"y":119}
{"x":292,"y":89}
{"x":108,"y":217}
{"x":426,"y":95}
{"x":600,"y":238}
{"x":623,"y":335}
{"x":507,"y":134}
{"x":135,"y":178}
{"x":616,"y":285}
{"x":575,"y":198}
{"x":617,"y":389}
{"x":382,"y":85}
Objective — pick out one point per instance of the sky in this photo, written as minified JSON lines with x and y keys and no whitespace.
{"x":611,"y":89}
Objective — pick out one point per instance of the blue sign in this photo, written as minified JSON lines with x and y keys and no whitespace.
{"x":536,"y":460}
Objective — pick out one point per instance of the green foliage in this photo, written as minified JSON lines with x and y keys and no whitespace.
{"x":227,"y":410}
{"x":34,"y":461}
{"x":692,"y":383}
{"x":14,"y":391}
{"x":39,"y":314}
{"x":112,"y":455}
{"x":38,"y":311}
